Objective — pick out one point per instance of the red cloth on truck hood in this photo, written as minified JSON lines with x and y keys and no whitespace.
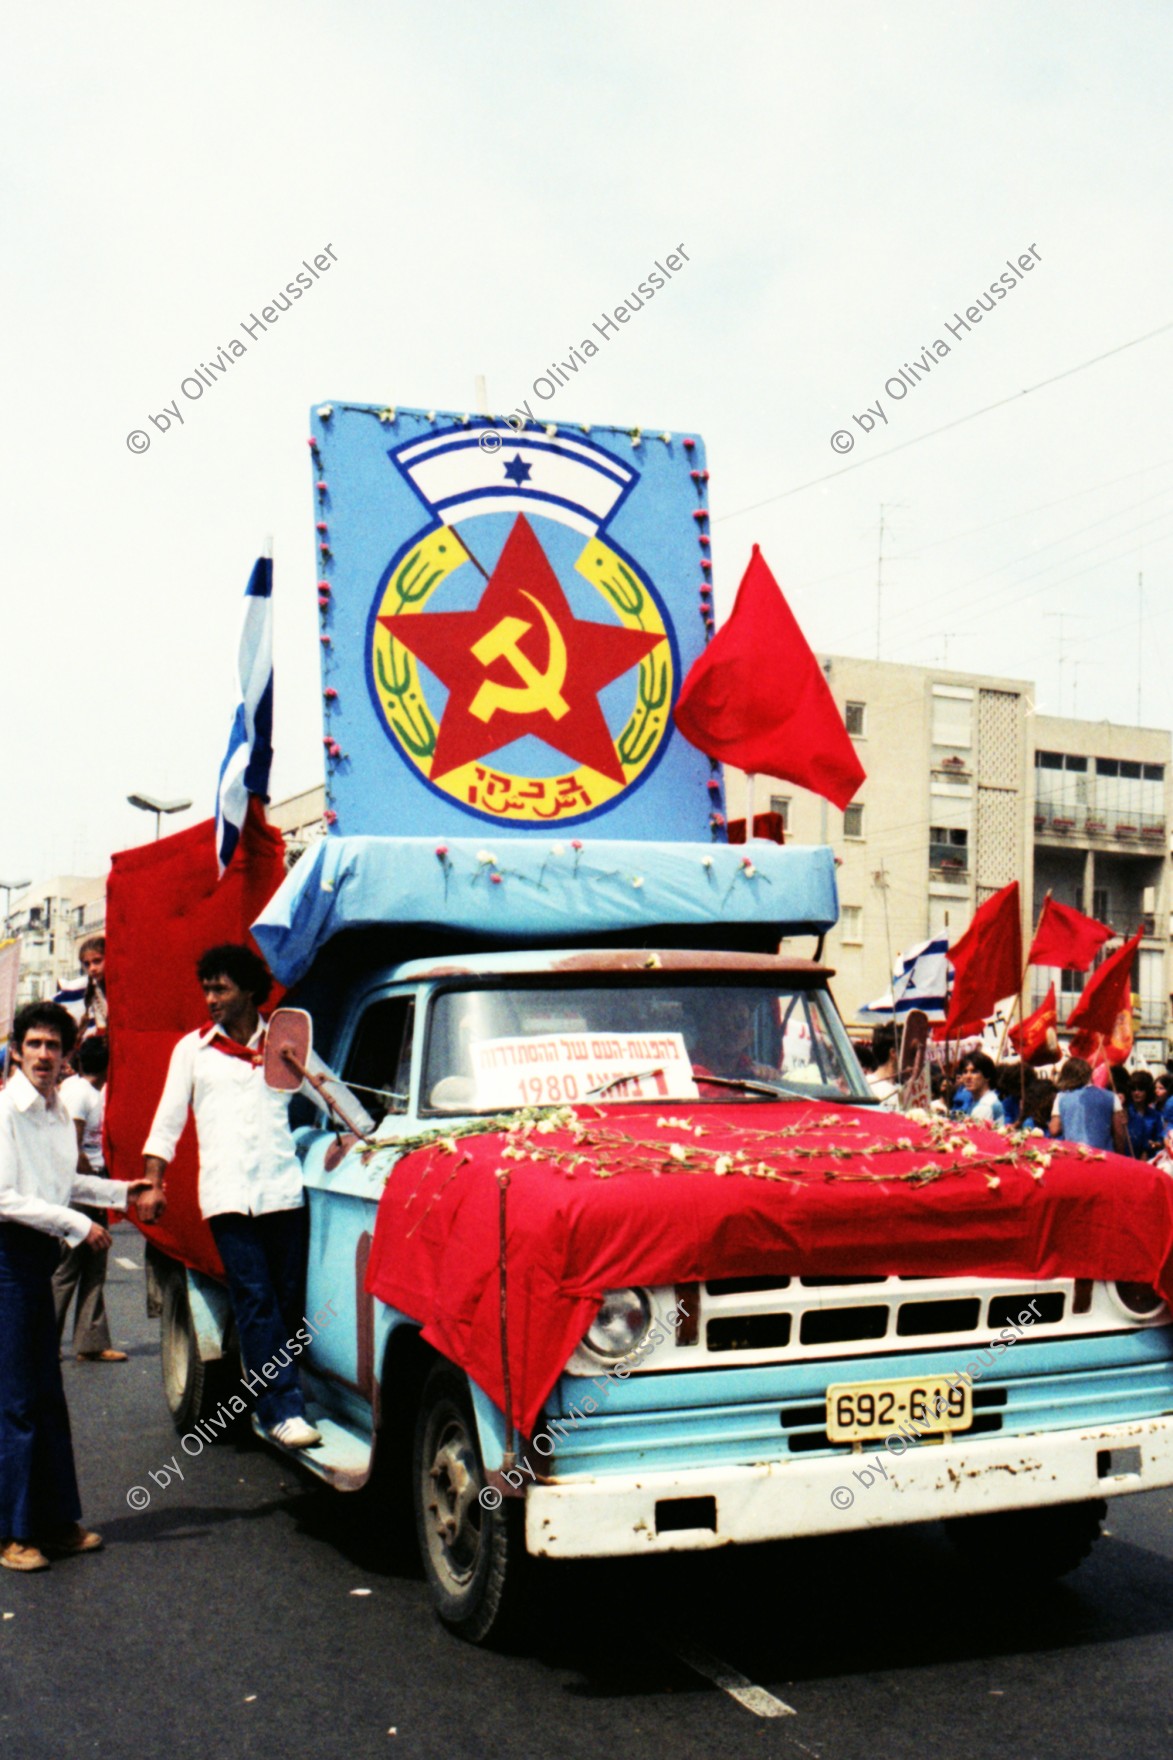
{"x":634,"y":1196}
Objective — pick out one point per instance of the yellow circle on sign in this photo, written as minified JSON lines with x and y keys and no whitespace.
{"x":501,"y":794}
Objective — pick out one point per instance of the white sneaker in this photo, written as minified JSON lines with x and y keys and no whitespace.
{"x":295,"y":1433}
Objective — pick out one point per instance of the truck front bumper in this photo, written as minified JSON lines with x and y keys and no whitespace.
{"x":615,"y":1515}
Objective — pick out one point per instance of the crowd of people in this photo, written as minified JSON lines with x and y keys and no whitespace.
{"x":1127,"y":1110}
{"x":55,"y":1201}
{"x":54,"y":1216}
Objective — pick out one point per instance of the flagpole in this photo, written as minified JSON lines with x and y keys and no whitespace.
{"x":1022,"y":1009}
{"x":1015,"y":1006}
{"x":749,"y":805}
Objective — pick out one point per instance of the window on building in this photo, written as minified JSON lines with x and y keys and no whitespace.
{"x":952,"y":717}
{"x":940,"y":912}
{"x":853,"y":820}
{"x":1154,"y":772}
{"x":854,"y":719}
{"x":851,"y":922}
{"x":948,"y":849}
{"x":780,"y":804}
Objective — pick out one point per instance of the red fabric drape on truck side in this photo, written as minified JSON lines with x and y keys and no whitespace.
{"x":572,"y":1235}
{"x":164,"y":906}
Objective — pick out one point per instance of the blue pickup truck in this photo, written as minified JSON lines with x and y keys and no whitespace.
{"x":456,"y":989}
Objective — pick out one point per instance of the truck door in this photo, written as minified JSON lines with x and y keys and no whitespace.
{"x":343,"y":1196}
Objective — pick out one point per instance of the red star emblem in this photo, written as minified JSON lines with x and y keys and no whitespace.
{"x":522,"y":663}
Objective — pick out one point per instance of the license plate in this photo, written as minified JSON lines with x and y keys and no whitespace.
{"x":867,"y":1411}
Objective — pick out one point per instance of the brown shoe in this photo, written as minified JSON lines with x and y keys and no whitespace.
{"x":102,"y":1357}
{"x":73,"y":1539}
{"x":18,"y":1555}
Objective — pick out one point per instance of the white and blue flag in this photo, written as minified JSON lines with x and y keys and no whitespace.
{"x":249,"y":757}
{"x":920,"y":980}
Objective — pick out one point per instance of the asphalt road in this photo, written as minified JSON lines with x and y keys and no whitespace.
{"x":247,"y":1612}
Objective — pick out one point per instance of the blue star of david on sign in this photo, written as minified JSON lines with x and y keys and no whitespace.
{"x":517,"y":470}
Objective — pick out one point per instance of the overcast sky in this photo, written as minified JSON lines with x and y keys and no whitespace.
{"x":844,"y":177}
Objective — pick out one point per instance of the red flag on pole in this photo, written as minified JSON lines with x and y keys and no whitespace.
{"x":756,"y":697}
{"x":1065,"y":937}
{"x":987,"y":961}
{"x":165,"y":905}
{"x":1036,"y":1039}
{"x":1102,"y":1018}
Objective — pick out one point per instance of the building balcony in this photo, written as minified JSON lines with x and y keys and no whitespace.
{"x":1148,"y":1016}
{"x":1079,"y":824}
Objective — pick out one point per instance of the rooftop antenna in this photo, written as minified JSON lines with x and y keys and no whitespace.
{"x":1139,"y":648}
{"x":885,"y":508}
{"x":1063,"y":617}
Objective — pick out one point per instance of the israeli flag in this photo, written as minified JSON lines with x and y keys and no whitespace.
{"x":920,"y":980}
{"x":249,"y":757}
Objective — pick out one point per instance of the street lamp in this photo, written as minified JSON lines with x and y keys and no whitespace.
{"x":8,"y":887}
{"x":149,"y":804}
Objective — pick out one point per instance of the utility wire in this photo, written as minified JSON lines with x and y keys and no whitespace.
{"x":1004,"y":519}
{"x":784,"y":494}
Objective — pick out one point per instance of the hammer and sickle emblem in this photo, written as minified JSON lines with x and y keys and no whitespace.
{"x":537,"y":690}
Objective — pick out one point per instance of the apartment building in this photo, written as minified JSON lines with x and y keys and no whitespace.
{"x":52,"y":918}
{"x":1102,"y":816}
{"x":968,"y":788}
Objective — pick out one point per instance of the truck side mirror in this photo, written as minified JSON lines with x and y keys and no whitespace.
{"x":289,"y":1044}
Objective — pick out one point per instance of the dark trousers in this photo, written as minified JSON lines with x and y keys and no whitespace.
{"x":83,"y":1269}
{"x":264,"y":1263}
{"x":38,"y":1486}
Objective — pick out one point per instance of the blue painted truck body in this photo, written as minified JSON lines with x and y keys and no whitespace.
{"x":720,"y":1437}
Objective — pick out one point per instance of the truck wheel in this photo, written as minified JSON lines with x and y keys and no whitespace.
{"x":191,"y":1387}
{"x":1026,"y":1545}
{"x":473,"y":1558}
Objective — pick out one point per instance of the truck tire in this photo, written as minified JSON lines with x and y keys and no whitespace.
{"x":474,"y":1558}
{"x":191,"y":1387}
{"x":1029,"y":1545}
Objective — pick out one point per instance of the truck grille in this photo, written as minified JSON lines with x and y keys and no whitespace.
{"x":731,"y":1412}
{"x":781,"y":1318}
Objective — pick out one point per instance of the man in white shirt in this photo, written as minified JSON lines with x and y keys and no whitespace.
{"x":250,"y":1187}
{"x":83,"y":1269}
{"x":39,"y":1183}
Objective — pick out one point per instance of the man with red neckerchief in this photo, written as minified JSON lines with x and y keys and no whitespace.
{"x":250,"y":1185}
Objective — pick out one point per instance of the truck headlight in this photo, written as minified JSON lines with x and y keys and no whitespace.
{"x":1140,"y":1301}
{"x":621,"y":1324}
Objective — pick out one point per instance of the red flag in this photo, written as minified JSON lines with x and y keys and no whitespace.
{"x":1036,"y":1039}
{"x":164,"y":907}
{"x":1103,"y":1014}
{"x":767,"y":827}
{"x":757,"y":697}
{"x":987,"y":961}
{"x":1067,"y":938}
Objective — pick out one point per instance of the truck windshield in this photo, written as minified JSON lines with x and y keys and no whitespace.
{"x":493,"y":1049}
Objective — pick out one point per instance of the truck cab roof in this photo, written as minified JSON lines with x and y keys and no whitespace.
{"x":602,"y":961}
{"x":412,"y":894}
